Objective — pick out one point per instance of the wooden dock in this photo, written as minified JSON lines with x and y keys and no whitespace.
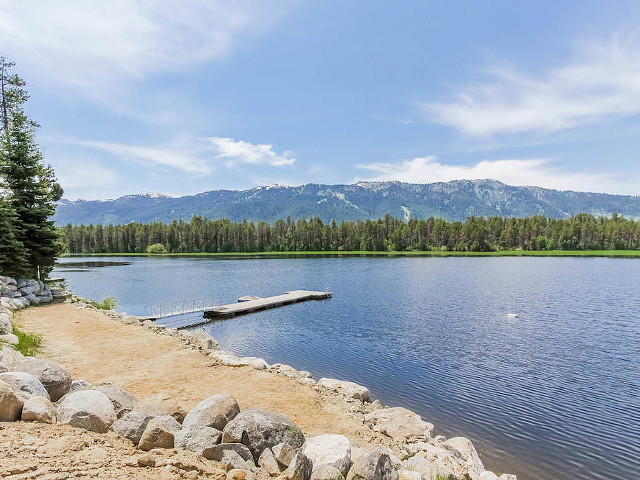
{"x":248,"y":306}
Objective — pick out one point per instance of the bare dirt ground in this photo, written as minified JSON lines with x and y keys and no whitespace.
{"x":96,"y":348}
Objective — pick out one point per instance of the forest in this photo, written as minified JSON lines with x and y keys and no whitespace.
{"x":476,"y":234}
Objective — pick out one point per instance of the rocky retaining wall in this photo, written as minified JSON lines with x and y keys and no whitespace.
{"x":248,"y":444}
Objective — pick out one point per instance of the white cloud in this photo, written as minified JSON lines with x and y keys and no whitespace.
{"x":83,"y":174}
{"x":602,"y":82}
{"x":539,"y":172}
{"x":92,"y":44}
{"x":238,"y":151}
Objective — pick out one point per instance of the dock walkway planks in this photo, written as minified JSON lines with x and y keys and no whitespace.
{"x":246,"y":306}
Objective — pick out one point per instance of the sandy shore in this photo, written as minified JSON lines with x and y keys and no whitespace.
{"x":94,"y":347}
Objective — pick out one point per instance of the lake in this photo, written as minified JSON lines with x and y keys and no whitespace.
{"x":552,"y":394}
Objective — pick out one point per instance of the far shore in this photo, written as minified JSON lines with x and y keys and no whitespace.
{"x":362,"y":253}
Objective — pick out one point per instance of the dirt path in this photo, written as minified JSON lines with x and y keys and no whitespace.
{"x":94,"y":347}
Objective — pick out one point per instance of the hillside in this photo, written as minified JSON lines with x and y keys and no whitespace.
{"x":454,"y":200}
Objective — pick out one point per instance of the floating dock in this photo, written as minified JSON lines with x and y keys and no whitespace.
{"x":245,"y":305}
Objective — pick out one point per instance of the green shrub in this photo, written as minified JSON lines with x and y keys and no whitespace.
{"x":156,"y":249}
{"x":107,"y":303}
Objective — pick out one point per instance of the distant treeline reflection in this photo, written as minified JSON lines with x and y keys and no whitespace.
{"x":476,"y":234}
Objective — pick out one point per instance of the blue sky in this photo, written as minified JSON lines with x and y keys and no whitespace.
{"x":183,"y":97}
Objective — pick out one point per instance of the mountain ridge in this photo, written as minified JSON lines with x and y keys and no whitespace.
{"x":454,"y":200}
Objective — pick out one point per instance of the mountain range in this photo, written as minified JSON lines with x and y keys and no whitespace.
{"x":455,"y":200}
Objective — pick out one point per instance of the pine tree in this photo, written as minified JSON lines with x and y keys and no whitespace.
{"x":31,"y":185}
{"x":12,"y":253}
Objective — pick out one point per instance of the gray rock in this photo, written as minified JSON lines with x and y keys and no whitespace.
{"x":6,"y":326}
{"x":130,"y":320}
{"x":268,"y":462}
{"x":214,"y":411}
{"x":122,"y":400}
{"x":38,"y":409}
{"x":198,"y":439}
{"x":284,"y":453}
{"x":403,"y":425}
{"x":78,"y":385}
{"x":348,"y":389}
{"x":204,"y":341}
{"x":375,"y":464}
{"x":25,"y":382}
{"x":160,"y":433}
{"x":9,"y":338}
{"x":329,"y":449}
{"x":299,"y":468}
{"x":326,"y":472}
{"x":11,"y":401}
{"x":8,"y":357}
{"x":88,"y":409}
{"x":55,"y":379}
{"x":259,"y":429}
{"x":465,"y":449}
{"x":233,"y":455}
{"x":33,"y":300}
{"x":132,"y":424}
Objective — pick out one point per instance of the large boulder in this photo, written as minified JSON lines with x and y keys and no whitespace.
{"x":214,"y":411}
{"x":259,"y":429}
{"x":55,"y":379}
{"x":38,"y":409}
{"x":25,"y":382}
{"x":232,"y":456}
{"x":159,"y":433}
{"x":199,"y":439}
{"x":88,"y":409}
{"x":348,"y":389}
{"x":11,"y":402}
{"x":122,"y":400}
{"x":132,"y":424}
{"x":329,"y":449}
{"x":438,"y":465}
{"x":326,"y":472}
{"x":375,"y":464}
{"x":403,"y":425}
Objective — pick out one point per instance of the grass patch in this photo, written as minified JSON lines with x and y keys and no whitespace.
{"x":107,"y":303}
{"x":28,"y":343}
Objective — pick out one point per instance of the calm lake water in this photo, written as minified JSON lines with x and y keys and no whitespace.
{"x":553,"y":394}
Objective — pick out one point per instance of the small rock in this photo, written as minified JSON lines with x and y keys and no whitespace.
{"x":11,"y":402}
{"x":284,"y":453}
{"x":409,"y":475}
{"x":132,"y":424}
{"x":259,"y":429}
{"x":329,"y":449}
{"x":240,"y":474}
{"x":403,"y":425}
{"x":130,"y":320}
{"x":88,"y":409}
{"x":233,"y":455}
{"x":78,"y":385}
{"x":327,"y":472}
{"x":123,"y":401}
{"x":198,"y":439}
{"x":38,"y":409}
{"x":269,"y":463}
{"x":467,"y":451}
{"x":214,"y":411}
{"x":375,"y":464}
{"x":159,"y":433}
{"x":299,"y":468}
{"x":146,"y":460}
{"x":348,"y":389}
{"x":9,"y":338}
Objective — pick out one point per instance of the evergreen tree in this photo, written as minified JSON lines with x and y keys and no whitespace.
{"x":31,"y":185}
{"x":12,"y":254}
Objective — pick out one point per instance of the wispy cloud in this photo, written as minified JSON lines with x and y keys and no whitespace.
{"x":539,"y":172}
{"x":92,"y":43}
{"x":601,"y":82}
{"x":238,"y":151}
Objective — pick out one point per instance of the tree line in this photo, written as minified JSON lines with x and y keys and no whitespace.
{"x":29,"y":242}
{"x":476,"y":234}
